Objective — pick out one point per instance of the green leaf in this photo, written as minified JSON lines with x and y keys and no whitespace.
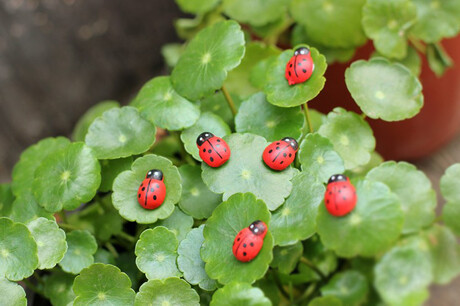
{"x":218,"y":105}
{"x":158,"y":102}
{"x":296,"y":219}
{"x":259,"y":117}
{"x":318,"y":158}
{"x":25,"y":209}
{"x":81,"y":247}
{"x":67,"y":178}
{"x":6,"y":200}
{"x":324,"y":259}
{"x":230,"y":217}
{"x":208,"y":122}
{"x":105,"y":257}
{"x":190,"y":263}
{"x":334,"y":23}
{"x":208,"y":57}
{"x":412,"y":60}
{"x":387,"y":22}
{"x":11,"y":293}
{"x":187,"y":28}
{"x":58,"y":288}
{"x":127,"y":263}
{"x":172,"y":52}
{"x":259,"y":72}
{"x":235,"y":294}
{"x":412,"y":186}
{"x":350,"y":287}
{"x":171,"y":291}
{"x":369,"y":229}
{"x":375,"y":161}
{"x":120,"y":132}
{"x":384,"y":90}
{"x":245,"y":171}
{"x":256,"y":12}
{"x":110,"y":168}
{"x":197,"y":200}
{"x":451,"y":215}
{"x":127,"y":183}
{"x":81,"y":128}
{"x":197,"y":6}
{"x":436,"y":19}
{"x":325,"y":301}
{"x":285,"y":258}
{"x":178,"y":223}
{"x":51,"y":242}
{"x":450,"y":183}
{"x":350,"y":135}
{"x":277,"y":88}
{"x":102,"y":284}
{"x":438,"y":59}
{"x":18,"y":251}
{"x":156,"y":253}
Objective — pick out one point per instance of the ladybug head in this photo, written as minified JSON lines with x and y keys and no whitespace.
{"x":337,"y":178}
{"x":155,"y":174}
{"x":258,"y":228}
{"x":203,"y":137}
{"x":302,"y":51}
{"x":292,"y":142}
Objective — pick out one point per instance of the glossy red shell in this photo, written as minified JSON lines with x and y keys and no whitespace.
{"x":340,"y":198}
{"x":214,"y":151}
{"x":247,"y":245}
{"x":151,"y":193}
{"x":279,"y":155}
{"x":299,"y":68}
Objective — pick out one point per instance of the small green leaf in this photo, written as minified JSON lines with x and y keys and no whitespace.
{"x":350,"y":287}
{"x":102,"y":284}
{"x":18,"y":251}
{"x":158,"y":102}
{"x":127,"y":183}
{"x":296,"y":219}
{"x":156,"y":253}
{"x":6,"y":200}
{"x":197,"y":200}
{"x":255,"y":12}
{"x":451,"y":215}
{"x":110,"y":168}
{"x":277,"y":88}
{"x":127,"y":263}
{"x":11,"y":293}
{"x":171,"y":291}
{"x":172,"y":52}
{"x":325,"y":301}
{"x":25,"y":209}
{"x":117,"y":133}
{"x":190,"y":262}
{"x":230,"y":217}
{"x":67,"y":178}
{"x":105,"y":257}
{"x":51,"y":242}
{"x":412,"y":186}
{"x":245,"y":171}
{"x":81,"y":247}
{"x":450,"y":183}
{"x":438,"y":59}
{"x":350,"y":135}
{"x":259,"y":72}
{"x":208,"y":122}
{"x":208,"y":57}
{"x":218,"y":105}
{"x":81,"y":128}
{"x":384,"y":90}
{"x":286,"y":258}
{"x":369,"y":229}
{"x":58,"y":288}
{"x":197,"y":6}
{"x":318,"y":158}
{"x":235,"y":294}
{"x":271,"y":122}
{"x":178,"y":223}
{"x":412,"y":60}
{"x":387,"y":22}
{"x":324,"y":259}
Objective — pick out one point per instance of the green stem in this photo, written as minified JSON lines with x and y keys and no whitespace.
{"x":63,"y":216}
{"x":38,"y":278}
{"x":32,"y":287}
{"x":307,"y":117}
{"x":304,"y":260}
{"x":438,"y":219}
{"x":229,"y":100}
{"x":111,"y":249}
{"x":363,"y":115}
{"x":280,"y":286}
{"x":306,"y":293}
{"x":419,"y":46}
{"x":126,"y":237}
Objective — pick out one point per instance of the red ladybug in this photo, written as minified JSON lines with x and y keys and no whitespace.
{"x":249,"y":241}
{"x":340,"y":197}
{"x":214,"y":151}
{"x":300,"y":67}
{"x":152,"y":191}
{"x":280,"y":154}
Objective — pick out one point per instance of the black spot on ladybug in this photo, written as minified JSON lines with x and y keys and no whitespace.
{"x":204,"y":150}
{"x":244,"y":245}
{"x":344,"y":198}
{"x":277,"y":143}
{"x":304,"y":60}
{"x":209,"y":151}
{"x":277,"y":148}
{"x":290,"y":65}
{"x":327,"y":201}
{"x":157,"y":186}
{"x":289,"y":73}
{"x":139,"y":195}
{"x":238,"y":239}
{"x":218,"y":140}
{"x":281,"y":162}
{"x":217,"y":146}
{"x":251,"y":244}
{"x":154,"y":197}
{"x":340,"y":191}
{"x":244,"y":253}
{"x":284,"y":154}
{"x":330,"y":192}
{"x":270,"y":151}
{"x":143,"y":188}
{"x":304,"y":70}
{"x":290,"y":154}
{"x":300,"y":64}
{"x":151,"y":189}
{"x":225,"y":150}
{"x":211,"y":159}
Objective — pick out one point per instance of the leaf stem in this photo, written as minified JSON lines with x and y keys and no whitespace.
{"x":229,"y":100}
{"x":280,"y":285}
{"x":63,"y":216}
{"x":32,"y":287}
{"x":111,"y":249}
{"x":420,"y":47}
{"x":306,"y":293}
{"x":126,"y":236}
{"x":38,"y":277}
{"x":363,"y":115}
{"x":304,"y":260}
{"x":307,"y":117}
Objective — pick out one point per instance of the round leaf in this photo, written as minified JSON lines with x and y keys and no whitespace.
{"x":163,"y":106}
{"x":58,"y":288}
{"x":156,"y":253}
{"x":238,"y":212}
{"x":6,"y":200}
{"x":451,"y":215}
{"x":67,"y":178}
{"x":190,"y":262}
{"x":271,"y":122}
{"x":370,"y":228}
{"x":25,"y":209}
{"x":350,"y":135}
{"x":81,"y":246}
{"x":102,"y":284}
{"x":278,"y":90}
{"x":417,"y":198}
{"x":81,"y":128}
{"x":178,"y":223}
{"x":450,"y":183}
{"x":218,"y":105}
{"x":11,"y":293}
{"x":286,"y":258}
{"x":235,"y":294}
{"x":256,"y":12}
{"x":127,"y":183}
{"x":412,"y":60}
{"x":296,"y":219}
{"x":208,"y":57}
{"x":51,"y":242}
{"x":171,"y":291}
{"x":197,"y":6}
{"x":110,"y":168}
{"x":349,"y":286}
{"x":120,"y":132}
{"x":246,"y":172}
{"x":18,"y":251}
{"x":105,"y":257}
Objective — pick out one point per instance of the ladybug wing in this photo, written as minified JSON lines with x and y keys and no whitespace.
{"x":249,"y":247}
{"x":239,"y":239}
{"x":205,"y":151}
{"x":290,"y":72}
{"x":155,"y":194}
{"x":220,"y":147}
{"x":270,"y":153}
{"x":142,"y":192}
{"x":304,"y":67}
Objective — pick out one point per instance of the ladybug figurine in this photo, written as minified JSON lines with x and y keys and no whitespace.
{"x":249,"y":241}
{"x":152,"y":191}
{"x":340,"y":197}
{"x":300,"y":67}
{"x":280,"y":154}
{"x":214,"y":151}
